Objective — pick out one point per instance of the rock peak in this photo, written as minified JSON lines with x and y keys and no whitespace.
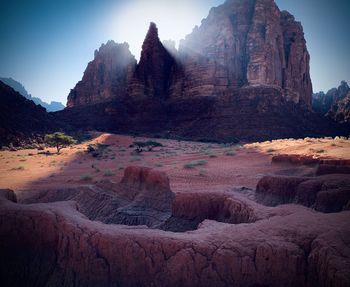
{"x":152,"y":36}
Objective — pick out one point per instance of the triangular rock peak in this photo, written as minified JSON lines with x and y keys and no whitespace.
{"x":155,"y":70}
{"x":244,"y":72}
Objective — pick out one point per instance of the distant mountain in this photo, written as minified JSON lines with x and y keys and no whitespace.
{"x":18,"y":87}
{"x":334,"y":104}
{"x":20,"y":118}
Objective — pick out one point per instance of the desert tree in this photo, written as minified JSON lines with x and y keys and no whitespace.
{"x":59,"y":140}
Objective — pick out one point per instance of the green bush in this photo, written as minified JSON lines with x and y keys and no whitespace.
{"x":230,"y":153}
{"x":108,"y":173}
{"x":59,"y":140}
{"x":195,"y":163}
{"x":86,"y":178}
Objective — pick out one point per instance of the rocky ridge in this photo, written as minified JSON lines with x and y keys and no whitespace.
{"x":21,"y":118}
{"x":334,"y":104}
{"x":18,"y":87}
{"x":244,"y":73}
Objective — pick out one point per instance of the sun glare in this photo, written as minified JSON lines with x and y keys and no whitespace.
{"x":174,"y":18}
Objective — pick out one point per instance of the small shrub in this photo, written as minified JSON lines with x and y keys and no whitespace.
{"x":86,"y":178}
{"x":230,"y":153}
{"x":18,"y":168}
{"x":271,"y":150}
{"x":320,"y":151}
{"x":203,"y":172}
{"x":108,"y":173}
{"x":59,"y":140}
{"x":195,"y":163}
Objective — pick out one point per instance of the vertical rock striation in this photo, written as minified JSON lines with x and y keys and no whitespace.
{"x":247,"y":43}
{"x":243,"y":73}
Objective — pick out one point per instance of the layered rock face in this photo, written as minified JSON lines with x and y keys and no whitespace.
{"x":51,"y":242}
{"x":240,"y":43}
{"x":143,"y":197}
{"x":247,"y":43}
{"x":243,"y":73}
{"x":322,"y":103}
{"x":106,"y":77}
{"x":340,"y":111}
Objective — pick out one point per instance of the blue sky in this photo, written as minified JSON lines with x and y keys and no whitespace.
{"x":46,"y":44}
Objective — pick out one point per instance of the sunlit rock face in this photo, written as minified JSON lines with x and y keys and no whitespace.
{"x":106,"y":77}
{"x":244,"y":73}
{"x":247,"y":43}
{"x":241,"y":43}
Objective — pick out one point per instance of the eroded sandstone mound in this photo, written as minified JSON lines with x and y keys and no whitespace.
{"x":143,"y":197}
{"x":47,"y":244}
{"x":327,"y":193}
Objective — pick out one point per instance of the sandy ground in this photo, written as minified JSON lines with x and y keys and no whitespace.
{"x":223,"y":167}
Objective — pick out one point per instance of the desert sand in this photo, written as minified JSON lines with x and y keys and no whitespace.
{"x":70,"y":206}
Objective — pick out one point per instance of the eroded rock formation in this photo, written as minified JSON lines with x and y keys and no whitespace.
{"x":326,"y":193}
{"x":45,"y":244}
{"x":247,"y":43}
{"x":244,"y":73}
{"x":335,"y":104}
{"x":106,"y":77}
{"x":143,"y":197}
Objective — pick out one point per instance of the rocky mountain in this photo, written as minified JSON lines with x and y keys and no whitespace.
{"x":153,"y":74}
{"x":243,"y":73}
{"x":340,"y":111}
{"x":106,"y":77}
{"x":18,"y":87}
{"x":20,"y":117}
{"x":333,"y":104}
{"x":247,"y":43}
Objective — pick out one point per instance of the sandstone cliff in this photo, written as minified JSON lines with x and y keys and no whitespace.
{"x":334,"y":104}
{"x":106,"y":77}
{"x":247,"y":43}
{"x":243,"y":73}
{"x":240,"y":43}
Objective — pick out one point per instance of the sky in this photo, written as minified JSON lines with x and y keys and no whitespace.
{"x":47,"y":44}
